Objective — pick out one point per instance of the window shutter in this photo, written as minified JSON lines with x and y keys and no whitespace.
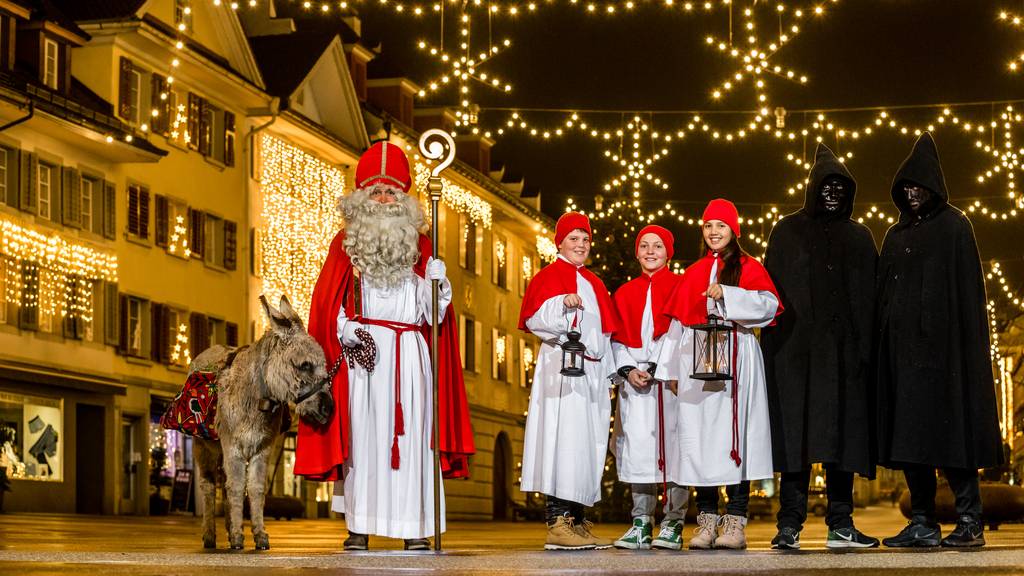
{"x":109,"y":210}
{"x":160,"y":123}
{"x":158,"y":314}
{"x":197,"y":231}
{"x":477,"y":345}
{"x":133,"y":210}
{"x":122,"y":321}
{"x":124,"y":93}
{"x":111,"y":315}
{"x":28,"y":312}
{"x":199,"y":333}
{"x":71,"y":192}
{"x":160,"y":220}
{"x":143,"y":213}
{"x":231,"y":333}
{"x":29,"y":175}
{"x":230,"y":245}
{"x":13,"y":163}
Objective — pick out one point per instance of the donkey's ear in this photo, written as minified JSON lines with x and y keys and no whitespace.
{"x":277,"y":321}
{"x":288,"y":312}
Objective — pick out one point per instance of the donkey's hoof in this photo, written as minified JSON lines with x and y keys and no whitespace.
{"x":237,"y":542}
{"x":262,"y":541}
{"x":209,"y":543}
{"x":237,"y":547}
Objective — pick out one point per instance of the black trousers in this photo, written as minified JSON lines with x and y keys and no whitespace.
{"x":555,"y":507}
{"x":793,"y":499}
{"x":739,"y":499}
{"x":922,"y":484}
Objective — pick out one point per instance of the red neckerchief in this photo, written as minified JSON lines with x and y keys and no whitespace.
{"x":559,"y":278}
{"x":631,"y":298}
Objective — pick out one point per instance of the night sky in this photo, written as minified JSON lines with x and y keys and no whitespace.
{"x":861,"y":53}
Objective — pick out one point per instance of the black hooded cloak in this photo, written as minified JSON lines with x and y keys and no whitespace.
{"x":818,"y":356}
{"x":936,"y":394}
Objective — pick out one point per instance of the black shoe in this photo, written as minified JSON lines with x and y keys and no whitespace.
{"x":788,"y":538}
{"x":356,"y":541}
{"x":916,"y":534}
{"x":849,"y":537}
{"x":968,"y":533}
{"x":417,"y":544}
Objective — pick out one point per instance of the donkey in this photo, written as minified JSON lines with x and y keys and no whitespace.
{"x":255,"y":384}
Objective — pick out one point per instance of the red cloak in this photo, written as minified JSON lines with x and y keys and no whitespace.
{"x":559,"y":278}
{"x":321,"y":450}
{"x":689,"y":305}
{"x":631,"y":299}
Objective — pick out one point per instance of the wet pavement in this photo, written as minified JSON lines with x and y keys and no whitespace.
{"x":42,"y":544}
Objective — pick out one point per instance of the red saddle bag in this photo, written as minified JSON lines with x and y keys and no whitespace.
{"x":194,"y":410}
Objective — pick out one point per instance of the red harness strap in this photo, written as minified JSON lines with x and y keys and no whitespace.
{"x":398,"y":328}
{"x":661,"y":439}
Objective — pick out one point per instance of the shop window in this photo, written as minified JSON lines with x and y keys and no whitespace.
{"x":169,"y":452}
{"x":31,"y":437}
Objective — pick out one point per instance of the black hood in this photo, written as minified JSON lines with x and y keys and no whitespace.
{"x":922,"y":167}
{"x":827,"y":164}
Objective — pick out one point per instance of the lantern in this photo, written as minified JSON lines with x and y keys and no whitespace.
{"x":573,"y":352}
{"x":712,"y":350}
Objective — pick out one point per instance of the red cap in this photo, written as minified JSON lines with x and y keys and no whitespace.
{"x":722,"y":209}
{"x":666,"y":237}
{"x":568,"y":222}
{"x":383,"y":163}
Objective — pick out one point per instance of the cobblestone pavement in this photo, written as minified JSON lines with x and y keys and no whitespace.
{"x":40,"y":544}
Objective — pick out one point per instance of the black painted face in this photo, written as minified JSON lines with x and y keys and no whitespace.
{"x":833,"y":193}
{"x":917,"y":196}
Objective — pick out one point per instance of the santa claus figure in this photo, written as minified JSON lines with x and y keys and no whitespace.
{"x":567,"y":424}
{"x":371,"y":309}
{"x":645,"y":427}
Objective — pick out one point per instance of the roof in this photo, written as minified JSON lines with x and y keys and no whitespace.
{"x":83,"y":11}
{"x":285,"y":60}
{"x":54,"y":11}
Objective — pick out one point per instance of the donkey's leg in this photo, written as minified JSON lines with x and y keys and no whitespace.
{"x":257,"y":489}
{"x":206,"y":462}
{"x":234,"y":468}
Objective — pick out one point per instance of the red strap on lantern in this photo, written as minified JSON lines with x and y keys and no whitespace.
{"x":735,"y":453}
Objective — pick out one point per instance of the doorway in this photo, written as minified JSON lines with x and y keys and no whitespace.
{"x":89,"y":461}
{"x":500,"y":476}
{"x":131,"y":460}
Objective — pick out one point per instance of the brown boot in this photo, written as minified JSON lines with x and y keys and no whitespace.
{"x":583,"y":529}
{"x":563,"y":535}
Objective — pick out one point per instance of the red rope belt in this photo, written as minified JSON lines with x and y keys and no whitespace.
{"x":398,"y":328}
{"x":661,"y":438}
{"x":735,"y":453}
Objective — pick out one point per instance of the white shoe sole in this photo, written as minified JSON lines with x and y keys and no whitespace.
{"x":845,"y":544}
{"x":561,"y":547}
{"x":629,"y":546}
{"x":664,"y":545}
{"x":786,"y":546}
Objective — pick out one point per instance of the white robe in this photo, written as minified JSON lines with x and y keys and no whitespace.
{"x":568,"y":421}
{"x":704,"y":409}
{"x":636,"y":441}
{"x":377,"y":499}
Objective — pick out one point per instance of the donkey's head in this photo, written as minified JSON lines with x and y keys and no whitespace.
{"x":295,"y":365}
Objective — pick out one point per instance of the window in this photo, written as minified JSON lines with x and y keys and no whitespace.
{"x":213,"y":253}
{"x":87,"y":186}
{"x":527,"y":363}
{"x":51,"y":300}
{"x":208,"y":119}
{"x":470,"y":245}
{"x":32,"y":436}
{"x":44,"y":195}
{"x":529,"y":269}
{"x":183,"y":16}
{"x":469,"y":343}
{"x":195,"y":113}
{"x":177,"y":337}
{"x":499,"y":355}
{"x":4,"y":266}
{"x":500,"y":262}
{"x":138,"y":212}
{"x":51,"y":57}
{"x":216,"y":332}
{"x":161,"y":104}
{"x":134,"y":322}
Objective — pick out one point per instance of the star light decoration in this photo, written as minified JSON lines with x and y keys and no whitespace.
{"x":1008,"y":156}
{"x":633,"y":161}
{"x":462,"y":69}
{"x":1017,"y":22}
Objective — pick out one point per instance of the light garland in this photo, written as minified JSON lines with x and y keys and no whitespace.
{"x":630,"y":158}
{"x":300,"y":219}
{"x":454,"y":196}
{"x":181,"y":351}
{"x":179,"y":238}
{"x":546,"y":248}
{"x":527,"y":268}
{"x":499,"y":349}
{"x":1017,"y":63}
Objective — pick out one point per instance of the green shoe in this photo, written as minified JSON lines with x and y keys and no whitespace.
{"x":638,"y":537}
{"x":671,"y":535}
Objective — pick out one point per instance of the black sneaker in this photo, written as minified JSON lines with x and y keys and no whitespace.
{"x":916,"y":534}
{"x":417,"y":544}
{"x":968,"y":533}
{"x":788,"y":538}
{"x":849,"y":537}
{"x":356,"y":541}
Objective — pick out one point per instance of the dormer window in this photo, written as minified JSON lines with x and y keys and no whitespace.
{"x":51,"y":58}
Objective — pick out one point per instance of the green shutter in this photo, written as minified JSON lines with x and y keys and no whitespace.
{"x":111,"y":314}
{"x":71,"y":198}
{"x":29,"y":174}
{"x":109,"y":210}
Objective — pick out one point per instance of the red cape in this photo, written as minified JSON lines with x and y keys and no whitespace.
{"x":321,"y":451}
{"x":631,"y":299}
{"x":559,"y":278}
{"x":689,"y":306}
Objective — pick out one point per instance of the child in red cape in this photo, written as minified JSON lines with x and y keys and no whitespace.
{"x":723,"y":428}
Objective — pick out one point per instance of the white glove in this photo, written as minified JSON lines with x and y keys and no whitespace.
{"x":436,"y":270}
{"x":348,"y":333}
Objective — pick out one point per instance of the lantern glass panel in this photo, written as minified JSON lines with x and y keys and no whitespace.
{"x":712,"y":350}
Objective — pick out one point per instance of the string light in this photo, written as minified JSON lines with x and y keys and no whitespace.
{"x":631,"y":157}
{"x":546,"y":248}
{"x":454,"y":196}
{"x":179,"y":238}
{"x":1016,"y":63}
{"x":299,"y":220}
{"x":181,"y":351}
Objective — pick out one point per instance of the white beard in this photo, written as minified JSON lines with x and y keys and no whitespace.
{"x":382,"y":239}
